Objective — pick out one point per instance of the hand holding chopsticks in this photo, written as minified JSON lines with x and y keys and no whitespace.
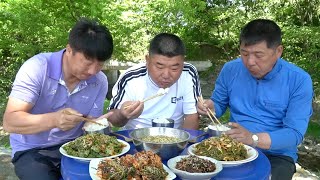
{"x":209,"y":112}
{"x":161,"y":92}
{"x":84,"y":118}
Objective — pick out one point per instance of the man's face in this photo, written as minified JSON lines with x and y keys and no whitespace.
{"x":259,"y":59}
{"x":81,"y":67}
{"x":164,"y":71}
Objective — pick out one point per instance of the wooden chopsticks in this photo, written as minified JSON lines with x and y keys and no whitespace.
{"x":148,"y":98}
{"x":84,"y":118}
{"x":152,"y":97}
{"x":209,"y":112}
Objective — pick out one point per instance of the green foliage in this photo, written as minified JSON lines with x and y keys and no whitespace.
{"x":209,"y":28}
{"x":302,"y":49}
{"x":106,"y":105}
{"x":5,"y":142}
{"x":225,"y":117}
{"x":313,"y":129}
{"x":2,"y":107}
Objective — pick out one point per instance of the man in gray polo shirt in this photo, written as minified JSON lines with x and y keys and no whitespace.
{"x":46,"y":86}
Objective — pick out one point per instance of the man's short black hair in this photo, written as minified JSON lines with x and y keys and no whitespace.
{"x":167,"y":44}
{"x":91,"y":39}
{"x":260,"y":30}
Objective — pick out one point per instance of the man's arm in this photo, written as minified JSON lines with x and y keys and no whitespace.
{"x":191,"y":121}
{"x":241,"y":134}
{"x":16,"y":119}
{"x":298,"y":113}
{"x":264,"y":141}
{"x":129,"y":110}
{"x":116,"y":118}
{"x":192,"y":91}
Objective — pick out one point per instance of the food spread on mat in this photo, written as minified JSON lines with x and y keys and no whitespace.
{"x":94,"y":146}
{"x":144,"y":165}
{"x":222,"y":148}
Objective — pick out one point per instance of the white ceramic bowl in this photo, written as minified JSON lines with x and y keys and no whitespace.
{"x":93,"y":167}
{"x":90,"y":127}
{"x":198,"y":176}
{"x":217,"y":130}
{"x":83,"y":159}
{"x":252,"y":155}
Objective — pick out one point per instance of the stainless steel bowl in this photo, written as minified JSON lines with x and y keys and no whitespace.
{"x":164,"y":150}
{"x":162,"y":122}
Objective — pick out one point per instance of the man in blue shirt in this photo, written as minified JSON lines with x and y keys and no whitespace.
{"x":270,"y":99}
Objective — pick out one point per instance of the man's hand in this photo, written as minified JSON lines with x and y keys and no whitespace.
{"x":131,"y":109}
{"x":239,"y":133}
{"x":202,"y":108}
{"x":68,"y":118}
{"x":106,"y":116}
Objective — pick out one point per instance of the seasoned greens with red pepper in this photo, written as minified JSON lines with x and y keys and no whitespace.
{"x":222,"y":148}
{"x":94,"y":146}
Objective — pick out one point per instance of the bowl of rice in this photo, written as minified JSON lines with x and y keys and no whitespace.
{"x":217,"y":129}
{"x":162,"y":122}
{"x":90,"y":128}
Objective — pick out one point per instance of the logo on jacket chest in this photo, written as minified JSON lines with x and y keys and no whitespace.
{"x":176,"y":99}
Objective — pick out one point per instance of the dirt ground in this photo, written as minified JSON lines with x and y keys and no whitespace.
{"x":6,"y":167}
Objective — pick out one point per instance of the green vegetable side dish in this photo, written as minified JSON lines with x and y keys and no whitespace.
{"x":222,"y":148}
{"x":94,"y":146}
